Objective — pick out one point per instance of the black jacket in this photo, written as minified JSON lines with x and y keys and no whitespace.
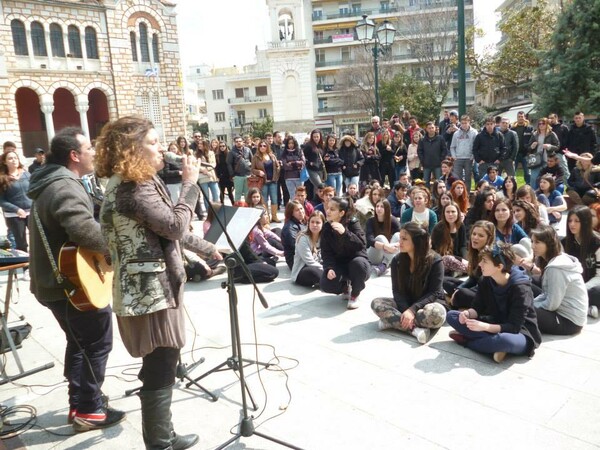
{"x":332,"y":160}
{"x":489,"y":147}
{"x":351,"y":156}
{"x":432,"y":151}
{"x":562,"y":133}
{"x":517,"y":315}
{"x":524,"y":133}
{"x":581,"y":139}
{"x":342,"y":248}
{"x":289,"y":233}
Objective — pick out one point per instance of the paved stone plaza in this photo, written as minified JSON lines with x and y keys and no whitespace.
{"x":350,"y":385}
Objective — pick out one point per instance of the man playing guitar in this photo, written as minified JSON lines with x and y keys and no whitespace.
{"x":65,"y":213}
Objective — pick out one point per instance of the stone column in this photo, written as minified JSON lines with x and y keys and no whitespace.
{"x":82,"y":105}
{"x":47,"y":107}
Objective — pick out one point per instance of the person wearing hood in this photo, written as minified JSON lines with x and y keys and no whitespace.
{"x":353,"y":160}
{"x":502,"y":318}
{"x":562,"y":307}
{"x":66,"y":214}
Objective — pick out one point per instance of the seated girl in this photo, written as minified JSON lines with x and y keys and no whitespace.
{"x":552,"y":199}
{"x":382,"y":237}
{"x":263,"y":241}
{"x":445,"y":199}
{"x":527,"y":194}
{"x":308,"y":270}
{"x":501,"y":319}
{"x":449,"y":240}
{"x":563,"y":304}
{"x":417,"y":274}
{"x":482,"y":208}
{"x":583,"y":242}
{"x":293,"y":224}
{"x":526,"y":215}
{"x":343,"y":249}
{"x":509,"y":188}
{"x":461,"y":293}
{"x":420,"y":213}
{"x":460,"y":195}
{"x":365,"y":207}
{"x":507,"y":230}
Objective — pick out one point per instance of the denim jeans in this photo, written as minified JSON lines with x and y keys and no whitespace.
{"x":466,"y":166}
{"x":293,"y":184}
{"x":335,"y":181}
{"x":521,"y":159}
{"x":399,"y":170}
{"x":533,"y":178}
{"x":437,"y":173}
{"x":212,"y":188}
{"x":351,"y":180}
{"x":269,"y":190}
{"x":240,"y":186}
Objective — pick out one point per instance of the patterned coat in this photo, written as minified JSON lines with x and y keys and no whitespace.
{"x":144,"y":230}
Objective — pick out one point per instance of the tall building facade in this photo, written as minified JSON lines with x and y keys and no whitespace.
{"x":84,"y":63}
{"x":314,"y":54}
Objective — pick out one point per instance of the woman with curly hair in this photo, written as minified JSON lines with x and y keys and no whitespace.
{"x":460,"y":194}
{"x":145,"y":232}
{"x":417,"y":273}
{"x":526,"y":216}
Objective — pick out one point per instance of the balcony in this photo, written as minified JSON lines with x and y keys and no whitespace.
{"x":257,"y":99}
{"x":326,"y":87}
{"x":243,"y":122}
{"x":282,"y":45}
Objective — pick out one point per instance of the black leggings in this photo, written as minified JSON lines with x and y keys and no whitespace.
{"x":309,"y":276}
{"x":159,"y":368}
{"x":594,"y":296}
{"x":550,"y":322}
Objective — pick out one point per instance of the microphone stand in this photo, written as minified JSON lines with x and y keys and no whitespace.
{"x":236,"y":361}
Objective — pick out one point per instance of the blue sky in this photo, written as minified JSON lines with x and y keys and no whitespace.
{"x":225,"y":32}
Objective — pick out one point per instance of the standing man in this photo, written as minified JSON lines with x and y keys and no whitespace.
{"x":239,"y":163}
{"x":40,"y":159}
{"x":413,"y":127}
{"x":283,"y":195}
{"x":66,"y":214}
{"x":581,"y":138}
{"x":562,"y":133}
{"x":432,"y":151}
{"x":488,"y":147}
{"x":461,"y":150}
{"x":197,"y":137}
{"x":511,"y":140}
{"x":524,"y":131}
{"x":450,"y":128}
{"x":445,"y":121}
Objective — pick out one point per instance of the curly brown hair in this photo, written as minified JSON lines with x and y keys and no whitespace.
{"x":118,"y":150}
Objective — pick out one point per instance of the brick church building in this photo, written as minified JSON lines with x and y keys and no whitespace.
{"x":84,"y":63}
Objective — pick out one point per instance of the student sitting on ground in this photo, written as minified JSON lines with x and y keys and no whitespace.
{"x":308,"y":270}
{"x":382,"y":237}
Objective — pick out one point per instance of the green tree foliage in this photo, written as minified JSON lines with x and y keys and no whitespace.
{"x":263,"y":127}
{"x":201,"y":127}
{"x":525,"y":37}
{"x":569,"y":78}
{"x":405,"y":92}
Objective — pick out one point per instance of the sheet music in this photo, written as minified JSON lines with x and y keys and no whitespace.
{"x":238,"y":222}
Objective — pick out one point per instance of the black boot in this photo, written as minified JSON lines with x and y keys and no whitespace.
{"x":157,"y":428}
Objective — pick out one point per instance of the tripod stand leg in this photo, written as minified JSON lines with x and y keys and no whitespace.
{"x":212,"y":396}
{"x":278,"y":441}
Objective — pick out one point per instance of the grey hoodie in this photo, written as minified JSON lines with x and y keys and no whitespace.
{"x":564,"y":290}
{"x":462,"y":143}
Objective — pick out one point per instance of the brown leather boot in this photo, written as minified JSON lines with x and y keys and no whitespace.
{"x":274,"y":217}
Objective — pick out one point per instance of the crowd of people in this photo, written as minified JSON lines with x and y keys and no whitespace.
{"x":487,"y":259}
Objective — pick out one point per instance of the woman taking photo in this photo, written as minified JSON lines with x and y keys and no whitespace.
{"x":308,"y":270}
{"x":171,"y":174}
{"x":343,"y":249}
{"x":502,"y":319}
{"x":144,"y":231}
{"x":382,"y":232}
{"x":563,"y":305}
{"x":16,"y":205}
{"x":353,"y":160}
{"x":208,"y":177}
{"x":417,"y":274}
{"x":292,"y":163}
{"x":461,"y":293}
{"x":333,"y":165}
{"x":551,"y":198}
{"x":583,"y":243}
{"x":266,"y":166}
{"x":225,"y":181}
{"x":449,"y":240}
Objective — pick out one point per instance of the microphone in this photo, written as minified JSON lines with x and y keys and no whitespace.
{"x":173,"y":158}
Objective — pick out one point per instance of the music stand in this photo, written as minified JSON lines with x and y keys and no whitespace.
{"x":19,"y":262}
{"x":242,"y":220}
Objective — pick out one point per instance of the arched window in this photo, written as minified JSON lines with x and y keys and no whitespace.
{"x":133,"y":40}
{"x":56,"y":40}
{"x":74,"y":42}
{"x":286,"y":26}
{"x":38,"y":40}
{"x":144,"y":43}
{"x":19,"y":37}
{"x":155,"y":47}
{"x":91,"y":44}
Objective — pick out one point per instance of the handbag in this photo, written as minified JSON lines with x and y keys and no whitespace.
{"x":304,"y":174}
{"x":254,"y":181}
{"x":534,"y":160}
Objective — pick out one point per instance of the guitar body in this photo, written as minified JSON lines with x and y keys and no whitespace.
{"x":89,"y":272}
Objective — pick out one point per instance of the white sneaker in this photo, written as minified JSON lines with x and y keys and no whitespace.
{"x":422,"y":334}
{"x":593,"y":311}
{"x":26,"y":277}
{"x":353,"y":303}
{"x":346,"y":292}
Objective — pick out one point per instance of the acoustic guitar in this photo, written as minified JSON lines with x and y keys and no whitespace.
{"x":91,"y":275}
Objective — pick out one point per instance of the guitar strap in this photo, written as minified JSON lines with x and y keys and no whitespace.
{"x":62,"y":280}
